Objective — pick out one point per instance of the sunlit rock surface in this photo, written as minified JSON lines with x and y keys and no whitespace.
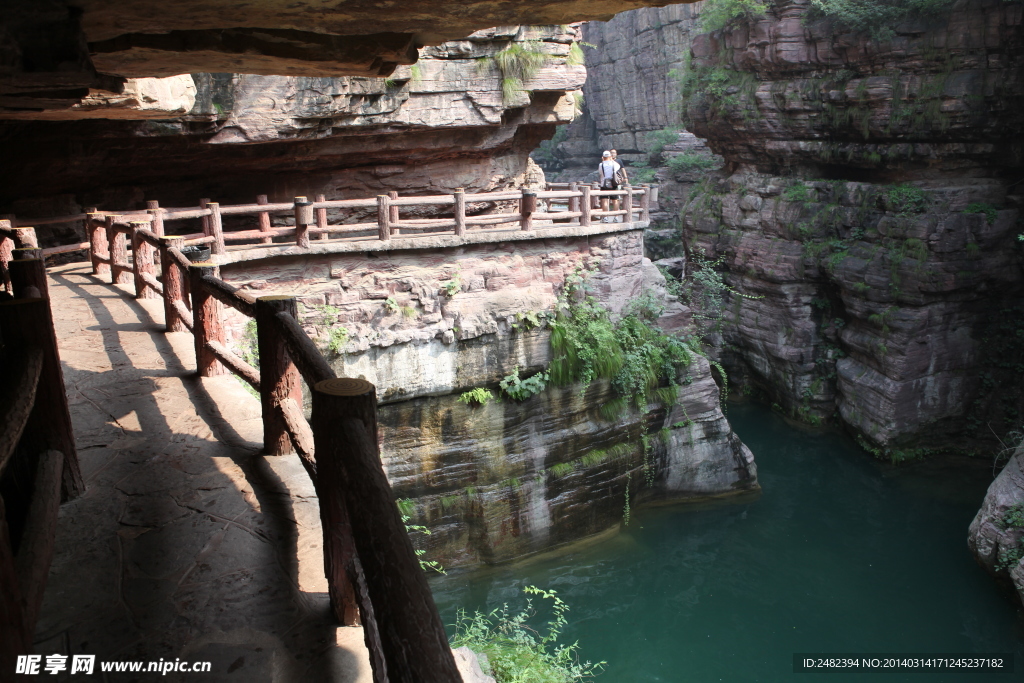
{"x":510,"y":478}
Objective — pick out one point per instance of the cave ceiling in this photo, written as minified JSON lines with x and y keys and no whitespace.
{"x":54,"y":52}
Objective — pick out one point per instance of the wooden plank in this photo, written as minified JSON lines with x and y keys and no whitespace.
{"x":17,"y":400}
{"x":35,"y":552}
{"x":231,"y":296}
{"x":281,"y":379}
{"x":412,"y":637}
{"x":235,"y":364}
{"x":65,"y":249}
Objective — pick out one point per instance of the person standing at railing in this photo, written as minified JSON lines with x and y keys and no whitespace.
{"x":608,"y":173}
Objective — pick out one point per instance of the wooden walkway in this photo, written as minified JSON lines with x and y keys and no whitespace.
{"x":187,"y":542}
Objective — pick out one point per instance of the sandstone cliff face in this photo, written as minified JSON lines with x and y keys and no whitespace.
{"x":997,"y":535}
{"x":509,"y":478}
{"x":887,"y":300}
{"x":431,"y":128}
{"x":632,"y":86}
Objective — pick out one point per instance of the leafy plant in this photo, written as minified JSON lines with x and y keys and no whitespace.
{"x":336,"y":340}
{"x":797,"y":193}
{"x":1013,"y":517}
{"x":878,"y":17}
{"x":658,"y":140}
{"x":518,"y":653}
{"x":718,"y":13}
{"x":391,"y":303}
{"x":521,"y":389}
{"x":690,"y":161}
{"x":405,"y":508}
{"x":453,"y":286}
{"x":477,"y":396}
{"x":906,"y":199}
{"x":991,"y":213}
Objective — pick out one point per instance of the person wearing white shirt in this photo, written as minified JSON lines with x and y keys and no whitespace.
{"x":607,"y":171}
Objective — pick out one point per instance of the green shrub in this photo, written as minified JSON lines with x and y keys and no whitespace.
{"x":634,"y":354}
{"x":1013,"y":518}
{"x":906,"y":199}
{"x":640,"y":172}
{"x":519,"y":653}
{"x":718,"y":13}
{"x":477,"y":396}
{"x":518,"y":63}
{"x":391,"y":303}
{"x":453,"y":286}
{"x":878,"y":17}
{"x":658,"y":140}
{"x":991,"y":212}
{"x":798,"y":193}
{"x":690,"y":161}
{"x":336,"y":340}
{"x":521,"y":389}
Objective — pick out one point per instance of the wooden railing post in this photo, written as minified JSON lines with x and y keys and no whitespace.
{"x":264,"y":219}
{"x":25,"y":238}
{"x":99,"y":247}
{"x":27,"y":252}
{"x":384,"y":217}
{"x":6,"y":255}
{"x":154,"y":210}
{"x":411,"y":635}
{"x":585,"y":206}
{"x":527,"y":206}
{"x":645,"y":203}
{"x":28,"y":323}
{"x":117,"y":243}
{"x":279,"y":378}
{"x":460,"y":211}
{"x":216,"y":228}
{"x":142,"y":261}
{"x":205,"y":220}
{"x":303,"y":219}
{"x":394,"y":209}
{"x":173,"y":281}
{"x":574,"y":202}
{"x":627,"y":205}
{"x":207,"y":325}
{"x":28,"y":275}
{"x":321,"y":217}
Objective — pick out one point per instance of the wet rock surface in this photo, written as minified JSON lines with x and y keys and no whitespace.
{"x":996,"y":539}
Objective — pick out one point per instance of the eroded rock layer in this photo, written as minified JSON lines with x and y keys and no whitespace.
{"x":501,"y":480}
{"x":442,"y":124}
{"x":997,"y":533}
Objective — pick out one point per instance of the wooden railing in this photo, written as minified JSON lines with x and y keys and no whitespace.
{"x":372,"y":571}
{"x":38,"y":460}
{"x":108,"y":231}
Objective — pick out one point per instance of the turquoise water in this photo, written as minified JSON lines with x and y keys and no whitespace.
{"x":839,"y":554}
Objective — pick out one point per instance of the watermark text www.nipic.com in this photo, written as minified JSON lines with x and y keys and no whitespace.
{"x":34,"y":665}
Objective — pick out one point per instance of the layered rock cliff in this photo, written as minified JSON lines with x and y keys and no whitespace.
{"x":442,"y":124}
{"x":886,"y":293}
{"x":498,"y":481}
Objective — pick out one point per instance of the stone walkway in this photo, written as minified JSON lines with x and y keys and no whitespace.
{"x":187,"y":543}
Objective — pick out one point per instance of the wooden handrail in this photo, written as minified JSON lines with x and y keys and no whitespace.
{"x":300,"y":433}
{"x":184,"y":314}
{"x":303,"y":351}
{"x":16,"y":403}
{"x":230,"y":295}
{"x":235,"y":364}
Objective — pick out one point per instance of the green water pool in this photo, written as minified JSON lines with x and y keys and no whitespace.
{"x":839,"y":554}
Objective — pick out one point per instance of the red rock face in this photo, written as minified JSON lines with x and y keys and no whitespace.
{"x":943,"y":97}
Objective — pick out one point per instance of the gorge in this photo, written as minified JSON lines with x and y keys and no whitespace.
{"x":833,"y":268}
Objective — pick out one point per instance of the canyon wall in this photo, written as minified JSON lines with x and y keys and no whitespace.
{"x":440,"y":124}
{"x":498,"y":481}
{"x":892,"y":299}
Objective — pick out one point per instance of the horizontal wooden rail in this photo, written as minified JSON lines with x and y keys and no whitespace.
{"x":235,"y":364}
{"x":244,"y":209}
{"x":151,"y":281}
{"x":230,"y":295}
{"x":300,"y":433}
{"x":184,"y":314}
{"x":179,"y":258}
{"x":65,"y":249}
{"x":16,"y":404}
{"x":303,"y":351}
